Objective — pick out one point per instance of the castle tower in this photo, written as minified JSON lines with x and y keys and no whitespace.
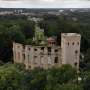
{"x":70,"y":45}
{"x":18,"y":53}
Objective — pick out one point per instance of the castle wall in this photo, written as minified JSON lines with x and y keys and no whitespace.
{"x":18,"y":52}
{"x":37,"y":56}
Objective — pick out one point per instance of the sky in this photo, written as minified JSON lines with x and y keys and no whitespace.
{"x":45,"y":3}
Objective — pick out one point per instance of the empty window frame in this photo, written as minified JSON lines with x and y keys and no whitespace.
{"x":56,"y":60}
{"x":49,"y":49}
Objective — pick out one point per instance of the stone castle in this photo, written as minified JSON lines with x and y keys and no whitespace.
{"x":45,"y":53}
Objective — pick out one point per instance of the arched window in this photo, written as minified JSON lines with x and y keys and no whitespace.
{"x":29,"y":49}
{"x":75,"y":64}
{"x":29,"y":67}
{"x":35,"y":49}
{"x":68,"y":43}
{"x":18,"y":46}
{"x":18,"y":55}
{"x":42,"y":48}
{"x":56,"y":50}
{"x":56,"y":60}
{"x":35,"y":56}
{"x":76,"y":52}
{"x":78,"y":43}
{"x":23,"y":56}
{"x":73,"y":43}
{"x":49,"y":49}
{"x":28,"y":57}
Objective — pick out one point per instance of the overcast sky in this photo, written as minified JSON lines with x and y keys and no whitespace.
{"x":45,"y":3}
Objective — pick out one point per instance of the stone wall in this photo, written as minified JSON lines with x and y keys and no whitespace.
{"x":37,"y":56}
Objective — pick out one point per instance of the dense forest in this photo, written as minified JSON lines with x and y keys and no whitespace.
{"x":20,"y":29}
{"x":15,"y":77}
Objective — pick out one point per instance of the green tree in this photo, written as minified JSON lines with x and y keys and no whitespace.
{"x":11,"y":78}
{"x":86,"y":84}
{"x":38,"y":81}
{"x":60,"y":76}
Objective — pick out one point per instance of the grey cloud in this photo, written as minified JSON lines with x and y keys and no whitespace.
{"x":45,"y":3}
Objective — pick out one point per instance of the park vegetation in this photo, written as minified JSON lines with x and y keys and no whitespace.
{"x":15,"y":77}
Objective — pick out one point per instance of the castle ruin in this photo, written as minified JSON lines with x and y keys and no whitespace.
{"x":45,"y":53}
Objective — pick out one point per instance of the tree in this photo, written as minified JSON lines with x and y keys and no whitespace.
{"x":38,"y":81}
{"x":60,"y":76}
{"x":86,"y":84}
{"x":8,"y":36}
{"x":68,"y":87}
{"x":87,"y":60}
{"x":11,"y":78}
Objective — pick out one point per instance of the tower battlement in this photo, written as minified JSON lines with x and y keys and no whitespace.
{"x":70,"y":34}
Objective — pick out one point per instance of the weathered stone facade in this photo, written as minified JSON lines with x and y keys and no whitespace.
{"x":45,"y":56}
{"x":37,"y":56}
